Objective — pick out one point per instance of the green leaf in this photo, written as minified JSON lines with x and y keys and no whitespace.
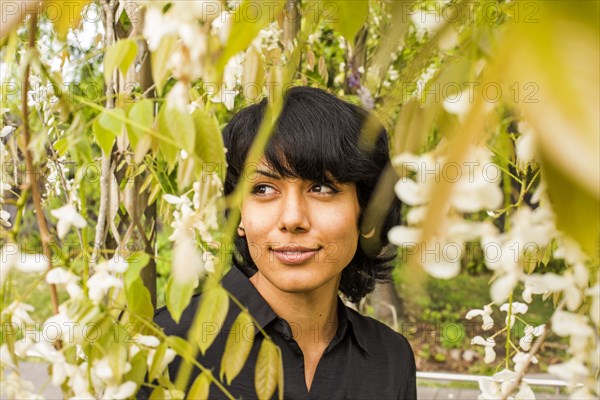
{"x":210,"y":317}
{"x":61,"y":146}
{"x":201,"y":386}
{"x":245,"y":27}
{"x":112,"y":120}
{"x":138,"y":369}
{"x":138,"y":299}
{"x":137,"y":261}
{"x":238,"y":346}
{"x":160,"y":60}
{"x":120,"y":55}
{"x":267,"y":370}
{"x":168,"y":150}
{"x":180,"y":125}
{"x":347,"y":17}
{"x":157,"y":361}
{"x":209,"y":143}
{"x":67,"y":15}
{"x":577,"y":210}
{"x":178,"y":297}
{"x":104,"y":137}
{"x":158,"y":394}
{"x":180,"y":345}
{"x":141,"y":112}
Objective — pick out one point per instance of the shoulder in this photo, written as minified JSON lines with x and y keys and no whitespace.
{"x":163,"y":318}
{"x":378,"y":338}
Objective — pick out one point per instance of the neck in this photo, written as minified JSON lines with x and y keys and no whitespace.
{"x":312,"y":316}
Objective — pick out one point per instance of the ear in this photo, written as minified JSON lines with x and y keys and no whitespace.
{"x":240,"y":230}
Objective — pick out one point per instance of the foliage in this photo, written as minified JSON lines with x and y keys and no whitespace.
{"x":110,"y":125}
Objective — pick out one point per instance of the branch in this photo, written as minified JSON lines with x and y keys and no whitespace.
{"x":100,"y":235}
{"x":31,"y":172}
{"x":534,"y":350}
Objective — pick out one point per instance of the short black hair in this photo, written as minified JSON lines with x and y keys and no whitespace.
{"x":317,"y":137}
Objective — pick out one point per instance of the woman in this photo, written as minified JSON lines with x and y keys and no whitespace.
{"x":298,"y":245}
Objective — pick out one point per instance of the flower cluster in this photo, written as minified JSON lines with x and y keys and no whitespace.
{"x":527,"y":239}
{"x":194,"y":216}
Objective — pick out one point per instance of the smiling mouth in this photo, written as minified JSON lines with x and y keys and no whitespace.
{"x":293,"y":255}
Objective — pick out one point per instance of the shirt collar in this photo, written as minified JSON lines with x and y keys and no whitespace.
{"x":348,"y":320}
{"x":237,"y":283}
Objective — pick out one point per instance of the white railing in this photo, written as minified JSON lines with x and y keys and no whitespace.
{"x":444,"y":376}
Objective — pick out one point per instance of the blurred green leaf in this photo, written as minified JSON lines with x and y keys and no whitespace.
{"x":137,"y":261}
{"x":245,"y":27}
{"x":141,"y":112}
{"x":201,"y":387}
{"x":160,"y":61}
{"x":210,"y":317}
{"x":347,"y":17}
{"x":168,"y":151}
{"x":178,"y":297}
{"x":209,"y":143}
{"x":157,"y":361}
{"x":267,"y":370}
{"x":120,"y":55}
{"x":237,"y":348}
{"x":138,"y":299}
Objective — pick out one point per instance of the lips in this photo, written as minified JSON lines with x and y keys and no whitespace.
{"x":293,"y":255}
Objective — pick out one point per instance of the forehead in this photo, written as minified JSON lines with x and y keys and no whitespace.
{"x":264,"y":168}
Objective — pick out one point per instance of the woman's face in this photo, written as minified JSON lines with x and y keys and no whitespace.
{"x":301,"y":234}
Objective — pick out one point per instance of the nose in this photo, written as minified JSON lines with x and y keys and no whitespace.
{"x":294,"y":213}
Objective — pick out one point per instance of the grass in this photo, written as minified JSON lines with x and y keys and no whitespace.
{"x":440,"y":334}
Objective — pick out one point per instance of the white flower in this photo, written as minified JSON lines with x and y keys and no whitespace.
{"x":497,"y":387}
{"x":594,"y":293}
{"x":117,"y":264}
{"x":221,"y":26}
{"x":166,"y":360}
{"x":517,"y":308}
{"x":7,"y":130}
{"x":6,"y":357}
{"x":458,"y":103}
{"x":177,"y":200}
{"x":100,"y":283}
{"x":60,"y":276}
{"x":4,"y":218}
{"x":11,"y":257}
{"x":188,"y":263}
{"x":520,"y":359}
{"x":525,"y":392}
{"x":19,"y":312}
{"x":157,"y":26}
{"x":427,"y":21}
{"x":531,"y":289}
{"x":119,"y":392}
{"x":485,"y":313}
{"x":568,"y":324}
{"x":14,"y":387}
{"x":147,"y":340}
{"x":572,"y":371}
{"x":178,"y":98}
{"x":67,"y":216}
{"x":489,"y":343}
{"x":530,"y":332}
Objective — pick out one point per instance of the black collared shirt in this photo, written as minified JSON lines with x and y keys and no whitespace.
{"x":365,"y":360}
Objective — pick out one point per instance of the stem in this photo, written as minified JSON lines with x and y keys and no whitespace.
{"x":105,"y":170}
{"x":31,"y":173}
{"x":534,"y":350}
{"x":508,"y":329}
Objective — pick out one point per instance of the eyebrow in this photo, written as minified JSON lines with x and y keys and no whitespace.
{"x":267,"y":173}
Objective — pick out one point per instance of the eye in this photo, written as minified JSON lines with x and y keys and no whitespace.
{"x":262,"y":190}
{"x":324,"y":188}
